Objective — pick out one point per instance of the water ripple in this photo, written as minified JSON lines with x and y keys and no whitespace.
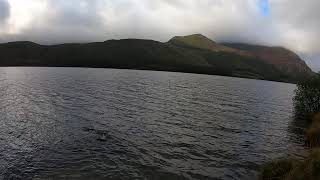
{"x":76,"y":123}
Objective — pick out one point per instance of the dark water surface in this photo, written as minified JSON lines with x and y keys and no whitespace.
{"x":76,"y":123}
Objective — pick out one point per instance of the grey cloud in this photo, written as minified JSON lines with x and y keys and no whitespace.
{"x":74,"y":13}
{"x":66,"y":21}
{"x":299,"y":21}
{"x":85,"y":20}
{"x":298,"y":26}
{"x":292,"y":23}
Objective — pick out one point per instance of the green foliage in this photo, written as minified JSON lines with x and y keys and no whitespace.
{"x":307,"y":97}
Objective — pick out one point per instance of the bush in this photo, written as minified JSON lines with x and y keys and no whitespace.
{"x":307,"y":97}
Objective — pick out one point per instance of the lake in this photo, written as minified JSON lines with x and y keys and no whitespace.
{"x":82,"y":123}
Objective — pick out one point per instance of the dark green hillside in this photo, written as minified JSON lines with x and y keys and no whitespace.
{"x":122,"y":54}
{"x":206,"y":57}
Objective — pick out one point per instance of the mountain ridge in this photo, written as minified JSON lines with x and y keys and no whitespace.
{"x":194,"y":54}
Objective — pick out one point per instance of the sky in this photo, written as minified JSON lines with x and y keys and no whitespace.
{"x":293,"y":24}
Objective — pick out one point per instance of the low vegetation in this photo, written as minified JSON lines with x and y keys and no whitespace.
{"x":278,"y":170}
{"x":308,"y":169}
{"x":313,"y":133}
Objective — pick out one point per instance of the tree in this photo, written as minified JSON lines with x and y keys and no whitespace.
{"x":307,"y":97}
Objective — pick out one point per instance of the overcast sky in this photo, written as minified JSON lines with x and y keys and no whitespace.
{"x":294,"y":24}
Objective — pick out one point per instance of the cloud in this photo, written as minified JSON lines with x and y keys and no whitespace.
{"x":298,"y":22}
{"x":4,"y":10}
{"x":91,"y":20}
{"x":290,"y":23}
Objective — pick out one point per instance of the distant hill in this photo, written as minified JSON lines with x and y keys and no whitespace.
{"x":201,"y":42}
{"x":283,"y":59}
{"x":194,"y":54}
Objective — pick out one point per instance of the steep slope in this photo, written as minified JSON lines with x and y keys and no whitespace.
{"x":283,"y":59}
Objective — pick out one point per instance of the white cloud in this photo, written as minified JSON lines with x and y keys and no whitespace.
{"x":291,"y":23}
{"x":23,"y":15}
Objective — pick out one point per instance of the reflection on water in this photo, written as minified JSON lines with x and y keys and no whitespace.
{"x":76,"y":123}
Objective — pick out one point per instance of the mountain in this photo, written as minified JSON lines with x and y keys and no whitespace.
{"x":127,"y":53}
{"x":282,"y":58}
{"x":201,"y":42}
{"x":194,"y":54}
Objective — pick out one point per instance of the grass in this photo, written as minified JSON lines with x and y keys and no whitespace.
{"x":278,"y":170}
{"x":308,"y":169}
{"x":313,"y":133}
{"x":290,"y":169}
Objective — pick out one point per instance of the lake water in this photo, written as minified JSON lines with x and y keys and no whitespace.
{"x":77,"y":123}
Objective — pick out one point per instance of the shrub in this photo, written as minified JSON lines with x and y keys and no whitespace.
{"x":307,"y":97}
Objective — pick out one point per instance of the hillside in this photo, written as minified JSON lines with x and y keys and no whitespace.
{"x":282,"y":58}
{"x":201,"y":42}
{"x":195,"y":54}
